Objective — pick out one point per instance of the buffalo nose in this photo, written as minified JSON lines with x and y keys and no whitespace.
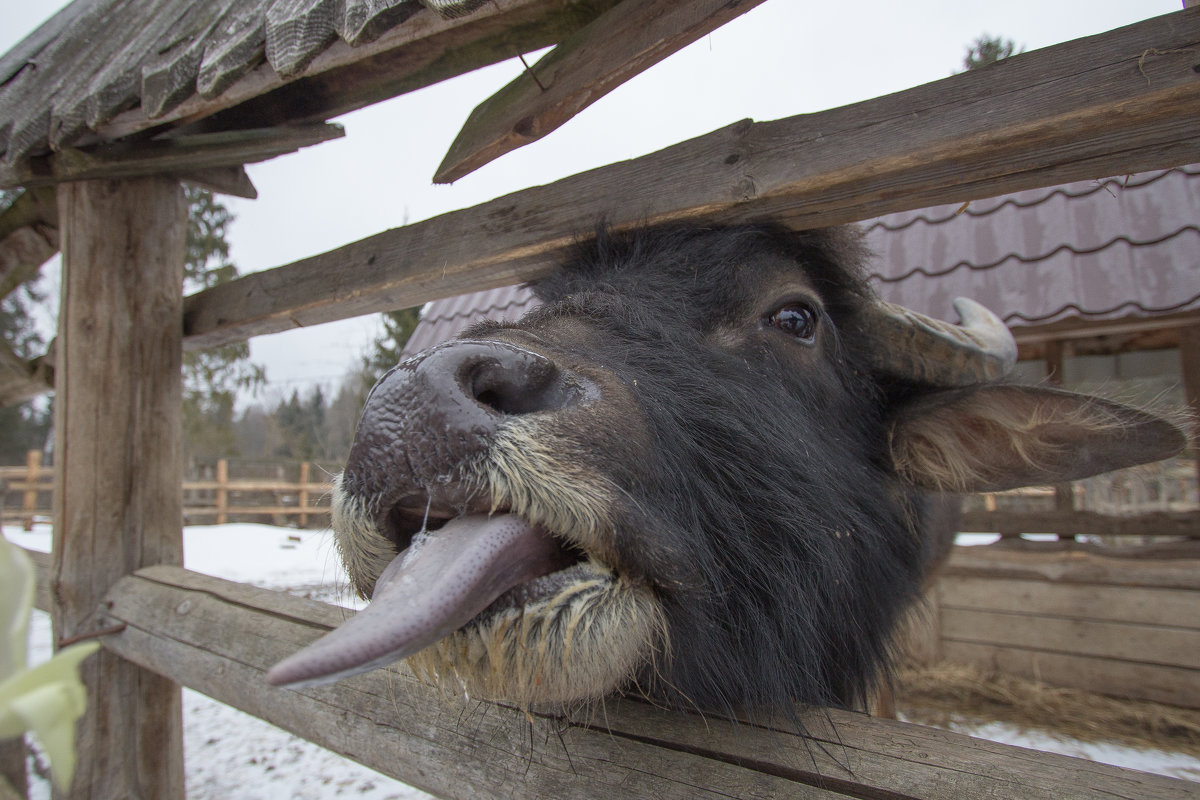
{"x":495,"y":379}
{"x":439,"y":410}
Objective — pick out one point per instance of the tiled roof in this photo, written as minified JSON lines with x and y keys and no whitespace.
{"x":1096,"y":250}
{"x":444,"y":319}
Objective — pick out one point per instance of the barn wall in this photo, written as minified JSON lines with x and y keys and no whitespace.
{"x":1122,"y":626}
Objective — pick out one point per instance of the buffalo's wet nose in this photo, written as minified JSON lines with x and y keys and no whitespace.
{"x":508,"y":380}
{"x":440,"y":410}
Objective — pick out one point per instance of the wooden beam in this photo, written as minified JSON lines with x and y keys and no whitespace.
{"x":424,"y":49}
{"x":1123,"y":101}
{"x":220,"y":637}
{"x":22,"y":380}
{"x":28,"y":237}
{"x":1073,"y":523}
{"x":118,"y":460}
{"x":188,"y":154}
{"x":231,"y":180}
{"x":621,"y":43}
{"x":1189,"y":359}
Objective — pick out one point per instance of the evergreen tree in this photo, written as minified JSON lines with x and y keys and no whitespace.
{"x":213,"y":377}
{"x":301,"y":426}
{"x":988,"y":50}
{"x":25,"y":426}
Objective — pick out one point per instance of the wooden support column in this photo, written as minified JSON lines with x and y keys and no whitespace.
{"x":302,"y":498}
{"x":118,"y":462}
{"x":1189,"y":356}
{"x":1064,"y":493}
{"x":29,"y":501}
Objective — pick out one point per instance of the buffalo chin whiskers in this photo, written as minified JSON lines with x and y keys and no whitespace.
{"x":588,"y":640}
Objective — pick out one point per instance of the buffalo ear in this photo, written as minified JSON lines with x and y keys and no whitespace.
{"x":990,"y":438}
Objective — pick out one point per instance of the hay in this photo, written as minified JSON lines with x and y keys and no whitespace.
{"x":946,"y":693}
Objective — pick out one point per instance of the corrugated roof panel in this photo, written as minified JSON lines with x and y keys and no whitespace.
{"x":1094,"y":249}
{"x":444,"y":319}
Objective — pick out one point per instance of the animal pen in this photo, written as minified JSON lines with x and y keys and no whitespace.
{"x":129,"y":99}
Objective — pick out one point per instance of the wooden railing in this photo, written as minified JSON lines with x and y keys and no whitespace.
{"x":223,"y":499}
{"x":391,"y":722}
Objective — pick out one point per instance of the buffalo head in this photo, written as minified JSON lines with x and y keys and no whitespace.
{"x":707,"y":468}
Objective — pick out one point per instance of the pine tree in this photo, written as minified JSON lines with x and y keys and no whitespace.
{"x":213,"y":377}
{"x":988,"y":50}
{"x":25,"y":426}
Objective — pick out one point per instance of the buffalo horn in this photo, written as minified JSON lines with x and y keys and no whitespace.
{"x":979,"y":349}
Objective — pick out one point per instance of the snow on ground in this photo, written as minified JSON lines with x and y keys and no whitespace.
{"x":233,"y":755}
{"x":230,"y":755}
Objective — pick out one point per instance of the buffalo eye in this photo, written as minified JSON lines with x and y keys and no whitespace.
{"x":799,"y":320}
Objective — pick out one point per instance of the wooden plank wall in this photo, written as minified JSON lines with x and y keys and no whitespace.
{"x":1123,"y":626}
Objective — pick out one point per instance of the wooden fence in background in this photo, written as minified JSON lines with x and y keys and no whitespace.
{"x":1153,"y":502}
{"x":1118,"y":621}
{"x":302,"y":502}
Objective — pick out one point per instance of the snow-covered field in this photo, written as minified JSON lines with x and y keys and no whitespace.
{"x":232,"y":755}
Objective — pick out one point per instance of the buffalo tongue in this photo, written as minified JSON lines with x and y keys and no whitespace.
{"x":442,"y":581}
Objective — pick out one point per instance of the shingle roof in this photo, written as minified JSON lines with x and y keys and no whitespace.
{"x":98,"y":58}
{"x":1096,"y":250}
{"x":444,"y":319}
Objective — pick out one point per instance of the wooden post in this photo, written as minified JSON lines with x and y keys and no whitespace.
{"x":118,"y":462}
{"x":33,"y":469}
{"x":1189,"y":356}
{"x":1064,"y":493}
{"x":302,"y":500}
{"x":222,"y":491}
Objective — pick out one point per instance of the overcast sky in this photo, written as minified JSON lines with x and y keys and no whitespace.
{"x":783,"y":58}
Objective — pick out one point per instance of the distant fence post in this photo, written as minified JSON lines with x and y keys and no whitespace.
{"x":222,"y":491}
{"x":303,"y":496}
{"x":33,"y":470}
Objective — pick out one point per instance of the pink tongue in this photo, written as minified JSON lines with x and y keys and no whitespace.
{"x":433,"y":588}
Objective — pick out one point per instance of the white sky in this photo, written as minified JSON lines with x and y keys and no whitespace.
{"x":783,"y":58}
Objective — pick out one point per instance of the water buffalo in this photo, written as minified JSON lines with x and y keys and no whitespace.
{"x":711,"y":468}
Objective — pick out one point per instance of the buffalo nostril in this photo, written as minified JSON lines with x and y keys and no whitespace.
{"x":512,"y":382}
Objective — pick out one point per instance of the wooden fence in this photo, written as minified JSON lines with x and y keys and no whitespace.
{"x":403,"y":728}
{"x":1123,"y":625}
{"x":1119,"y":102}
{"x":302,"y":502}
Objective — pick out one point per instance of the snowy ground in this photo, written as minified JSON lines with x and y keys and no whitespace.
{"x":232,"y":755}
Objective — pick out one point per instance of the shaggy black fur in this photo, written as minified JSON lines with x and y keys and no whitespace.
{"x":764,"y":513}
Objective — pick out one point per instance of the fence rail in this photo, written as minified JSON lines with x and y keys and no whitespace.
{"x":222,"y":499}
{"x":397,"y":725}
{"x":1127,"y":627}
{"x":304,"y":501}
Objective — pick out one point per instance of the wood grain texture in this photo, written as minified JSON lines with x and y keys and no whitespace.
{"x":1165,"y":644}
{"x":1090,"y":602}
{"x":1073,"y":567}
{"x":118,"y":461}
{"x":28,"y":237}
{"x":236,"y":86}
{"x":621,"y":43}
{"x":1129,"y":627}
{"x":1074,"y":523}
{"x":220,"y":637}
{"x":189,"y":155}
{"x":1138,"y":681}
{"x":1119,"y":102}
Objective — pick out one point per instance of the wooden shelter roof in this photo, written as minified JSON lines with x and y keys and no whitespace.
{"x":113,"y":88}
